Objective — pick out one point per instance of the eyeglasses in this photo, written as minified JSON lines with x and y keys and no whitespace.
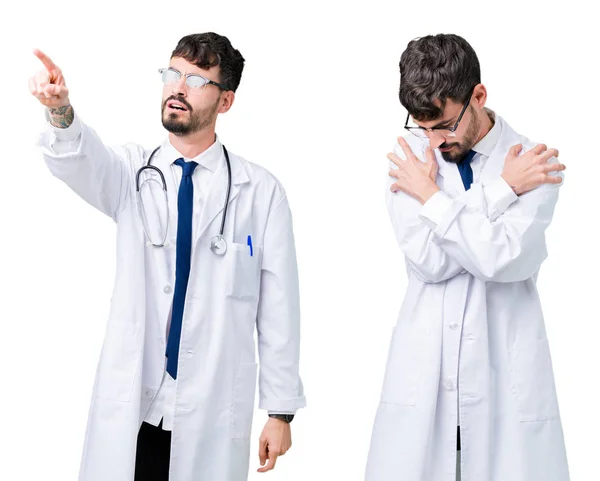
{"x":445,"y":132}
{"x":196,"y":82}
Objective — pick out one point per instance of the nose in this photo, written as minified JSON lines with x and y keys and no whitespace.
{"x":179,"y":87}
{"x":435,"y":140}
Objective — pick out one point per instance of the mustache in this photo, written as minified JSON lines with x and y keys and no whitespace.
{"x":178,"y":99}
{"x":448,"y":146}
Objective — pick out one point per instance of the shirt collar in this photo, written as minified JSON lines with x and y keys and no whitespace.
{"x":486,"y":145}
{"x":208,"y":159}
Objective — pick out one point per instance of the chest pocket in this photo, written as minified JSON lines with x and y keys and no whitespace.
{"x":243,"y":271}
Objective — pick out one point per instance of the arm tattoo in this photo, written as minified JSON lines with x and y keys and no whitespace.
{"x":62,"y":117}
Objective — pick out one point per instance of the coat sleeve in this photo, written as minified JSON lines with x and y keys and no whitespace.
{"x":492,"y":245}
{"x":426,"y":259}
{"x":77,"y":156}
{"x":278,"y":319}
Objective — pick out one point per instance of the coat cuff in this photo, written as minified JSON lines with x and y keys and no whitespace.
{"x":439,"y":212}
{"x":499,"y":196}
{"x":283,"y":406}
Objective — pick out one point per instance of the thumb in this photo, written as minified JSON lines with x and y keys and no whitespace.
{"x":429,"y":156}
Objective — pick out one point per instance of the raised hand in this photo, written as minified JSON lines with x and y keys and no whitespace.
{"x":530,"y":170}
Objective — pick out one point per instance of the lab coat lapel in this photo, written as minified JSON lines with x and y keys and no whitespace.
{"x":218,"y":191}
{"x":453,"y":184}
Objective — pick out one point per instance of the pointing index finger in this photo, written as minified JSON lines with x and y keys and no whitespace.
{"x":48,"y":63}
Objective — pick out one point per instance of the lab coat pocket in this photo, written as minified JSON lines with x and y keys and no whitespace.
{"x":244,"y":271}
{"x":118,"y":362}
{"x":533,"y":381}
{"x":242,"y":408}
{"x":404,"y":366}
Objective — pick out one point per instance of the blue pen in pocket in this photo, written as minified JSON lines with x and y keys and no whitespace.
{"x":250,"y":245}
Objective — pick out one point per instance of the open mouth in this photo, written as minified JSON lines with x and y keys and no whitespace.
{"x":173,"y":105}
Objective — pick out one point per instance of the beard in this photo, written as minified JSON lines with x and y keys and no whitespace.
{"x":188,"y":122}
{"x":462,"y":148}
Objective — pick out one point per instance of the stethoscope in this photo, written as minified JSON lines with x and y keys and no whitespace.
{"x":218,"y":244}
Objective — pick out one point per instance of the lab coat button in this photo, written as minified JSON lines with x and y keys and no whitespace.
{"x":148,"y":393}
{"x":167,"y":289}
{"x":453,"y":325}
{"x":449,"y":385}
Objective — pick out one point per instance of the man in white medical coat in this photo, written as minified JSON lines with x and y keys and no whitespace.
{"x":175,"y":386}
{"x":469,"y":365}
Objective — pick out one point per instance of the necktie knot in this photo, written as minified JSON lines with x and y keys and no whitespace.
{"x":187,"y":167}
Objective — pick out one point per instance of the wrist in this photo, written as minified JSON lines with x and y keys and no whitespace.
{"x":61,"y":117}
{"x":427,"y":191}
{"x":511,"y":184}
{"x":287,"y":418}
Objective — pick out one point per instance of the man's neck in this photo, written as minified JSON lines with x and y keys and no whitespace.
{"x":194,"y":144}
{"x":486,"y":124}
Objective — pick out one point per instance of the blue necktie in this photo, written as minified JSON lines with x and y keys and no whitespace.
{"x":466,"y":172}
{"x":185,"y":207}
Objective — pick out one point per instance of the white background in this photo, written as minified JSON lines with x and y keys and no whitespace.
{"x":318,"y":107}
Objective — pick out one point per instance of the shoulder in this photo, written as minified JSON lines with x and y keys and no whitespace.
{"x":266,"y":185}
{"x":416,"y":145}
{"x":510,"y":137}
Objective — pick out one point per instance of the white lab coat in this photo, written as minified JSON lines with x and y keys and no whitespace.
{"x":226,"y":298}
{"x":469,"y":347}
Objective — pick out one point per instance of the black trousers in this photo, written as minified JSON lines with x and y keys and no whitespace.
{"x":153,"y":452}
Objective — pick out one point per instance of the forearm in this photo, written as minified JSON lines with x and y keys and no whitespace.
{"x":278,"y":317}
{"x":510,"y":248}
{"x":77,"y":156}
{"x":429,"y":262}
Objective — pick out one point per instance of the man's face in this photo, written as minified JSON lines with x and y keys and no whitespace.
{"x":454,"y":149}
{"x":186,"y":110}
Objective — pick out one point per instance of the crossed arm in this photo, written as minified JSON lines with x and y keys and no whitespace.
{"x":499,"y":236}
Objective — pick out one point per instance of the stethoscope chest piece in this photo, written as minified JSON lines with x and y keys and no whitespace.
{"x":218,"y":245}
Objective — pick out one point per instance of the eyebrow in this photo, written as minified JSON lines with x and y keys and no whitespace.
{"x":196,"y":74}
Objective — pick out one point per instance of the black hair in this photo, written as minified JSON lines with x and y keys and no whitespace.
{"x":442,"y":67}
{"x":206,"y":50}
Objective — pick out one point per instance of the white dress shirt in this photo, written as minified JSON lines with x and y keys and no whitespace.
{"x":208,"y":161}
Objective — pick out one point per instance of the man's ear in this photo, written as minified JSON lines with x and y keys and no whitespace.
{"x":479,"y":96}
{"x":227,"y":99}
